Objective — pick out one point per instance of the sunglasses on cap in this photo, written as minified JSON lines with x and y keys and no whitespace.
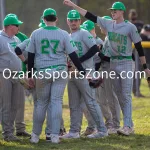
{"x":15,"y":25}
{"x":75,"y":20}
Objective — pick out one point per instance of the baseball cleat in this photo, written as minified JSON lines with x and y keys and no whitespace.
{"x":89,"y":131}
{"x":62,"y":132}
{"x":71,"y":136}
{"x":125,"y":131}
{"x":11,"y":138}
{"x":48,"y":137}
{"x":112,"y":131}
{"x":34,"y":138}
{"x":24,"y":133}
{"x":98,"y":135}
{"x":55,"y":138}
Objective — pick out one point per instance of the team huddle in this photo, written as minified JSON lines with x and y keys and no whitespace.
{"x":52,"y":48}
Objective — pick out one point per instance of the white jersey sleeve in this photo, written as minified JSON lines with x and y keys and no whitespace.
{"x":134,"y":35}
{"x":103,"y":23}
{"x":31,"y":46}
{"x":69,"y":44}
{"x":88,"y":39}
{"x":24,"y":44}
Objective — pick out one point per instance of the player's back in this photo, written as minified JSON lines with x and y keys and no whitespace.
{"x":49,"y":46}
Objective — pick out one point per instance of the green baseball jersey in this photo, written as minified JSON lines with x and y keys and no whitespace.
{"x":84,"y":41}
{"x":50,"y":45}
{"x":120,"y":36}
{"x":21,"y":36}
{"x":8,"y":58}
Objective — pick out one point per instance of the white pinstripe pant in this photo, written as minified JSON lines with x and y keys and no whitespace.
{"x":108,"y":102}
{"x":123,"y":88}
{"x":48,"y":117}
{"x":78,"y":88}
{"x":10,"y":91}
{"x":49,"y":95}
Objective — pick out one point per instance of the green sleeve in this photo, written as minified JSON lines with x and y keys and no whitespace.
{"x":21,"y":36}
{"x":24,"y":69}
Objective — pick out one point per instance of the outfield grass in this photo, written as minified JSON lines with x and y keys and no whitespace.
{"x":139,"y":141}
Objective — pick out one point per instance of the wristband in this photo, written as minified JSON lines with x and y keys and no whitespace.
{"x":144,"y":66}
{"x":26,"y":61}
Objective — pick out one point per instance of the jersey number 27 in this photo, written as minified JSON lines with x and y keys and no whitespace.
{"x":46,"y":44}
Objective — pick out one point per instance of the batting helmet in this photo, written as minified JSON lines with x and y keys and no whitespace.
{"x":73,"y":14}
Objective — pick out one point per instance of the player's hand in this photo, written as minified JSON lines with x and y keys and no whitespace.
{"x":88,"y":77}
{"x":148,"y":76}
{"x":68,"y":3}
{"x":147,"y":72}
{"x":31,"y":82}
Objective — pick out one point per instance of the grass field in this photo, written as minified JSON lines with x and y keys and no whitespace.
{"x":139,"y":141}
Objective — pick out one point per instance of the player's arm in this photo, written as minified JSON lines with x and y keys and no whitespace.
{"x":90,"y":42}
{"x":20,"y":48}
{"x":19,"y":53}
{"x":92,"y":51}
{"x":74,"y":58}
{"x":31,"y":54}
{"x":31,"y":57}
{"x":82,"y":11}
{"x":140,"y":50}
{"x":134,"y":35}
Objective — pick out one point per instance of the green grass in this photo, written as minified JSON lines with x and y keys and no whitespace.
{"x":139,"y":141}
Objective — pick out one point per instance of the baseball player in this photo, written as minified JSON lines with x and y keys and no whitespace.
{"x":48,"y":128}
{"x":78,"y":88}
{"x":90,"y":26}
{"x":104,"y":94}
{"x":10,"y":88}
{"x":121,"y":33}
{"x":21,"y":49}
{"x":47,"y":51}
{"x":19,"y":121}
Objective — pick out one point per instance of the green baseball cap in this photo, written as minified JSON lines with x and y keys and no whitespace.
{"x":107,"y":17}
{"x":118,"y":6}
{"x":89,"y":25}
{"x":73,"y":14}
{"x":11,"y":20}
{"x":42,"y":23}
{"x":49,"y":11}
{"x":14,"y":15}
{"x":83,"y":27}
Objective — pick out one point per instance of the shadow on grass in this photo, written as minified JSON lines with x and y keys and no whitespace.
{"x":113,"y":142}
